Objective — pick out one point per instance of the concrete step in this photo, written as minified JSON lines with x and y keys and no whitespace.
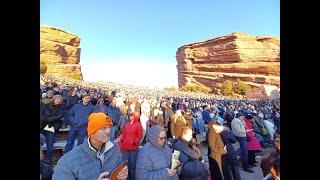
{"x":59,"y":144}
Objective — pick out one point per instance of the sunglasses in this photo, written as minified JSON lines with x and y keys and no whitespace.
{"x":162,"y":138}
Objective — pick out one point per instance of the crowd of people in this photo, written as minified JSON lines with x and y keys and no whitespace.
{"x":141,"y":126}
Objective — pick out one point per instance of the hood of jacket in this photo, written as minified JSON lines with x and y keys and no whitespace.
{"x":153,"y":134}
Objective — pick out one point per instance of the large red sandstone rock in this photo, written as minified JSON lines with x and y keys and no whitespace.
{"x":254,"y":60}
{"x":60,"y":51}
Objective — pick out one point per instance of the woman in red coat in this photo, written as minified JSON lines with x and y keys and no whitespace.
{"x":130,"y":141}
{"x":253,"y":143}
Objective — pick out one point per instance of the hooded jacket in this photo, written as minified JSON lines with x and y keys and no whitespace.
{"x":131,"y":135}
{"x":153,"y":159}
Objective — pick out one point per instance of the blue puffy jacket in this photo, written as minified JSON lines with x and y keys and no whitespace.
{"x":84,"y":162}
{"x":153,"y":160}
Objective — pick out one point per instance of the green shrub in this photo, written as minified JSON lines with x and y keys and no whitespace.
{"x":241,"y":87}
{"x":227,"y":88}
{"x":196,"y":88}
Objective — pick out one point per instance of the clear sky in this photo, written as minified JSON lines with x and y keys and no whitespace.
{"x":144,"y":35}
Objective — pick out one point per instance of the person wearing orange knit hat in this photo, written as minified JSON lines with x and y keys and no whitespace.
{"x":96,"y":157}
{"x":97,"y":121}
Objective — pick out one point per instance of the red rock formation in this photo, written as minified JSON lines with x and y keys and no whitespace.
{"x":60,"y":52}
{"x":254,"y":60}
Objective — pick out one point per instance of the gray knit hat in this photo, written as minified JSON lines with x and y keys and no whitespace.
{"x":56,"y":96}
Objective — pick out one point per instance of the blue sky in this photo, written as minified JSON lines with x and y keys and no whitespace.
{"x":147,"y":33}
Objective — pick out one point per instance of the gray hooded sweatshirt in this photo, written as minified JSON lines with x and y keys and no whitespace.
{"x":153,"y":159}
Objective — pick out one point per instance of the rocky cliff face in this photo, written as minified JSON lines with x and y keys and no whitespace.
{"x":254,"y":60}
{"x":60,"y":52}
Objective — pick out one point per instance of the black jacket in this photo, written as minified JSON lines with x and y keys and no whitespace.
{"x":228,"y":139}
{"x":51,"y":115}
{"x":192,"y":168}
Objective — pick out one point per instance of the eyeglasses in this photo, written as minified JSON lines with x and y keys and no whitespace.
{"x":162,"y":138}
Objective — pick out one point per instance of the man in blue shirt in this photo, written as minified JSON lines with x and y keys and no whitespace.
{"x":78,"y":117}
{"x":114,"y":113}
{"x":206,"y":114}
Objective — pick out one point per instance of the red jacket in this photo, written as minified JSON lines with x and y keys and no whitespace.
{"x":253,"y":144}
{"x":131,"y":136}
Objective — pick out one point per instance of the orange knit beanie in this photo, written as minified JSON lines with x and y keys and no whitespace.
{"x":97,"y":121}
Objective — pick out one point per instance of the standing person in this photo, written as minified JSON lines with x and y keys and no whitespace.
{"x":230,"y":159}
{"x":216,"y":149}
{"x":156,"y":116}
{"x":178,"y":123}
{"x":206,"y":114}
{"x":123,"y":114}
{"x":95,"y":158}
{"x":144,"y":118}
{"x":114,"y":113}
{"x":50,"y":116}
{"x":154,"y":159}
{"x":228,"y":116}
{"x":260,"y":129}
{"x":168,"y":116}
{"x":276,"y":120}
{"x":199,"y":121}
{"x":130,"y":141}
{"x":238,"y":128}
{"x":253,"y":143}
{"x":69,"y":102}
{"x":271,"y":130}
{"x":78,"y":117}
{"x":100,"y":106}
{"x":188,"y":117}
{"x":190,"y":156}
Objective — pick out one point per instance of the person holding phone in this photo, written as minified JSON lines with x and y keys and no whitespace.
{"x":190,"y":156}
{"x":154,"y":159}
{"x":96,"y":157}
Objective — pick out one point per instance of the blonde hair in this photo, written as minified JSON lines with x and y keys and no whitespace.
{"x":183,"y":131}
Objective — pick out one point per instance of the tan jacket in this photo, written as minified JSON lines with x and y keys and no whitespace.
{"x":216,"y":147}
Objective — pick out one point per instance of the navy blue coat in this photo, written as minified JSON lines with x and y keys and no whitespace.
{"x":192,"y":168}
{"x":228,"y":139}
{"x":206,"y":116}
